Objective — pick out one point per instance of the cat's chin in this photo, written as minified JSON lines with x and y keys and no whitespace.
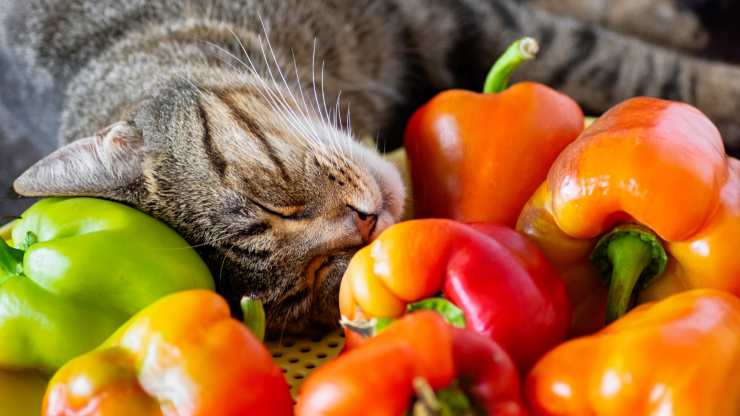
{"x":317,"y":313}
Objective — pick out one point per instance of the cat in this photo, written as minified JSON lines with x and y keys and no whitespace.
{"x":236,"y":121}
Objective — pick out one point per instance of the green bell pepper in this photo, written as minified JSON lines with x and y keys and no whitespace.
{"x":21,"y":393}
{"x":76,"y":269}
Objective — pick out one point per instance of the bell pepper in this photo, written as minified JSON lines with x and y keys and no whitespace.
{"x":447,"y":370}
{"x":479,"y":157}
{"x":21,"y":392}
{"x":679,"y":356}
{"x":77,"y":269}
{"x":502,"y":283}
{"x":181,"y":355}
{"x":5,"y":231}
{"x":647,"y":201}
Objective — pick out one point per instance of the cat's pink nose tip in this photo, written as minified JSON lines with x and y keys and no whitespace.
{"x":366,"y":224}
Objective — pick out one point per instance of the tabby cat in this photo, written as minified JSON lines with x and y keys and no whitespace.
{"x":230,"y":120}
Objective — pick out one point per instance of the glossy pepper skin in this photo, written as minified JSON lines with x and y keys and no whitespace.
{"x":21,"y":392}
{"x":505,"y":287}
{"x":377,"y":378}
{"x":478,"y":157}
{"x":679,"y":356}
{"x":81,"y":267}
{"x":657,"y":163}
{"x":181,"y":355}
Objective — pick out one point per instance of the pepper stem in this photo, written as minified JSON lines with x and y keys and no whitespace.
{"x":254,"y":316}
{"x":520,"y":51}
{"x":631,"y":256}
{"x":371,"y":327}
{"x":450,"y":401}
{"x":451,"y":313}
{"x":11,"y":259}
{"x":365,"y":327}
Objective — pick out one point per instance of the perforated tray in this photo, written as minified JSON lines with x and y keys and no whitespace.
{"x":299,"y":357}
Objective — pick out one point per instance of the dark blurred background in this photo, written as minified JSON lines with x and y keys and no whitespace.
{"x":26,"y":130}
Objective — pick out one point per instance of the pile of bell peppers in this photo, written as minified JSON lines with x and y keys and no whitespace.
{"x":418,"y":364}
{"x":501,"y":283}
{"x":71,"y":272}
{"x":641,"y":206}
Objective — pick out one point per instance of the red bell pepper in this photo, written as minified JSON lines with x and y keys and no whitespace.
{"x":503,"y":284}
{"x":450,"y":371}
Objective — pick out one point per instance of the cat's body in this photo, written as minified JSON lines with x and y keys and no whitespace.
{"x":260,"y":174}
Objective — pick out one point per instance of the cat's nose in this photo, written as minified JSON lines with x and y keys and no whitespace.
{"x":366,"y":224}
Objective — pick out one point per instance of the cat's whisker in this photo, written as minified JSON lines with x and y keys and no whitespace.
{"x":338,"y":140}
{"x":269,"y":69}
{"x":266,"y":90}
{"x":272,"y":99}
{"x":223,"y":263}
{"x":283,"y":98}
{"x":277,"y":64}
{"x":332,"y":141}
{"x":337,"y":119}
{"x":301,"y":124}
{"x":300,"y":87}
{"x":313,"y":77}
{"x":349,"y":120}
{"x":288,"y":113}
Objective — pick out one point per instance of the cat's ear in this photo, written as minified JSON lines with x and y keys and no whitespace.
{"x":103,"y":165}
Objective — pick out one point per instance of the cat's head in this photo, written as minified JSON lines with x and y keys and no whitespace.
{"x":274,"y":196}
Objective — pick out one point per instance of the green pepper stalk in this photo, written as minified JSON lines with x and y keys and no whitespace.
{"x":449,"y":401}
{"x":11,"y":260}
{"x":522,"y":50}
{"x":451,"y":313}
{"x":254,"y":316}
{"x":631,"y":256}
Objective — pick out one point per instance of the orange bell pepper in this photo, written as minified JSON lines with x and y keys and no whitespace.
{"x":181,"y":355}
{"x":479,"y":157}
{"x":661,"y":167}
{"x":676,"y":357}
{"x":501,"y":283}
{"x":419,"y":355}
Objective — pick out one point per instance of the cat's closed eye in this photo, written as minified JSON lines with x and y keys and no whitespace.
{"x":292,"y":212}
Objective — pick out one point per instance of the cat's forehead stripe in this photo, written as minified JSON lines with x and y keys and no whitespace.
{"x":215,"y":158}
{"x":250,"y":125}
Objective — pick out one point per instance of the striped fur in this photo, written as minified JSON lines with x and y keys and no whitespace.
{"x":241,"y":114}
